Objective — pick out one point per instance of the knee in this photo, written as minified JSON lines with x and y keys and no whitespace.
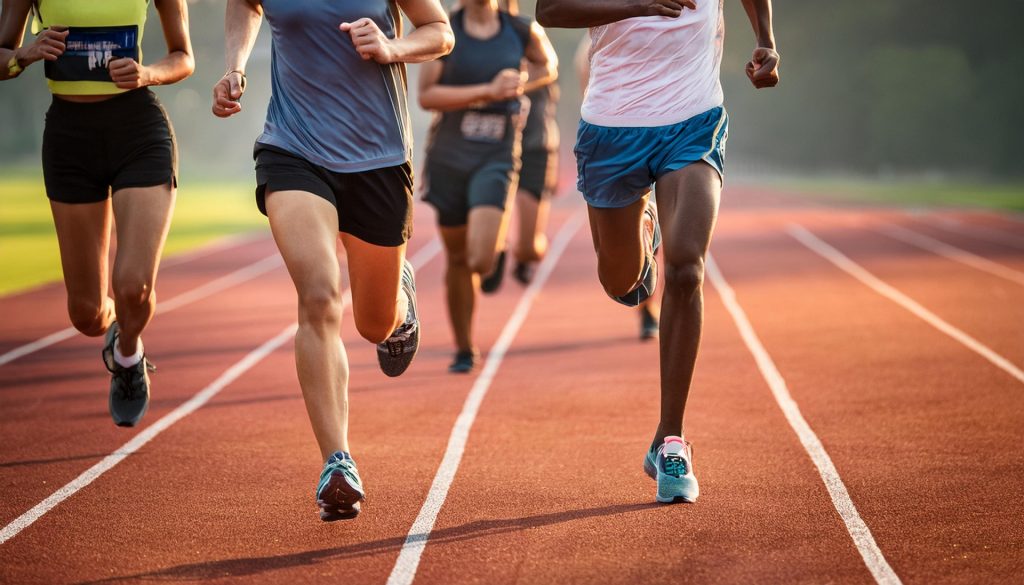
{"x":87,"y":316}
{"x":375,"y":328}
{"x":684,"y":276}
{"x":132,"y":292}
{"x":319,"y":305}
{"x":481,"y":263}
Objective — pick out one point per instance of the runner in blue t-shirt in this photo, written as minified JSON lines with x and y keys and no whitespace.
{"x":334,"y":157}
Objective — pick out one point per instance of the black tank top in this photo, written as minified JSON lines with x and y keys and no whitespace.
{"x":463,"y":137}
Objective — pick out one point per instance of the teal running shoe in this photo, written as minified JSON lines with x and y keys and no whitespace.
{"x":649,"y":273}
{"x":129,"y":387}
{"x":671,"y":465}
{"x":340,"y":490}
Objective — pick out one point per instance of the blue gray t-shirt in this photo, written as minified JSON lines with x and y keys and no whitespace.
{"x":328,"y":105}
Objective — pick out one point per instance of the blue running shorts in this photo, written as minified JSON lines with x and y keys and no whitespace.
{"x":616,"y":166}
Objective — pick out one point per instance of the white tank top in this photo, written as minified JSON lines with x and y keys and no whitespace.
{"x":656,"y":71}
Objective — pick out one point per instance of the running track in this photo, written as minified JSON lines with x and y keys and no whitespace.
{"x":858,"y":417}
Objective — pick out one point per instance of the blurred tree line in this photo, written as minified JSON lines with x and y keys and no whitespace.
{"x":902,"y":86}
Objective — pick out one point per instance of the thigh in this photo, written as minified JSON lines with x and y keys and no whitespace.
{"x":374,"y":274}
{"x":454,"y":240}
{"x":687,"y":210}
{"x":617,"y":230}
{"x":142,"y":217}
{"x":484,"y":231}
{"x":446,"y":192}
{"x":305,"y":228}
{"x":83,"y":235}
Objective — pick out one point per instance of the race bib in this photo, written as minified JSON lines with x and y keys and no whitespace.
{"x":481,"y":127}
{"x":90,"y":49}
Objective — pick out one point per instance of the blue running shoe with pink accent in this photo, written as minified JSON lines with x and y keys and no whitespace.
{"x":340,"y":490}
{"x":671,"y":465}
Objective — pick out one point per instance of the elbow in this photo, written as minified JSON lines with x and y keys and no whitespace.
{"x":188,"y":65}
{"x":447,"y":41}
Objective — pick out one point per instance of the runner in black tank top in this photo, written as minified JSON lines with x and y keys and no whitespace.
{"x":473,"y":152}
{"x":538,"y":176}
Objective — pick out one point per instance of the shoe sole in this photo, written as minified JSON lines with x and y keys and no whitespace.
{"x":339,"y":500}
{"x":683,"y":485}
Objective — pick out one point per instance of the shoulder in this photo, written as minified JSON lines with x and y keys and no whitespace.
{"x":522,"y":25}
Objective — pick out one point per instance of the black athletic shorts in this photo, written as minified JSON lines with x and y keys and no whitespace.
{"x":374,"y":206}
{"x":93,"y":149}
{"x":454,"y":191}
{"x":539,"y":173}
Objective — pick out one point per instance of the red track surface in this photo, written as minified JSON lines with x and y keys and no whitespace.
{"x":924,"y":433}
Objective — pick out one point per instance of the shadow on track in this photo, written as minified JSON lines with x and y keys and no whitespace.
{"x":249,"y":566}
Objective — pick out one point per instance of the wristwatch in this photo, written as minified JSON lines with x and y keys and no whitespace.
{"x":13,"y":67}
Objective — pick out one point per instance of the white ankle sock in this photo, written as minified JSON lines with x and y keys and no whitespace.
{"x":131,"y":360}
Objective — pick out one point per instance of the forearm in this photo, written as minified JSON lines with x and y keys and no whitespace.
{"x":540,"y":75}
{"x":760,"y":14}
{"x":5,"y":58}
{"x":177,"y":65}
{"x":585,"y":13}
{"x":446,"y":98}
{"x":241,"y":25}
{"x":426,"y":43}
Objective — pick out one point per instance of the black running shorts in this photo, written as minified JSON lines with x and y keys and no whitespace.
{"x":539,"y":173}
{"x":93,"y":149}
{"x":453,"y":192}
{"x":374,"y":206}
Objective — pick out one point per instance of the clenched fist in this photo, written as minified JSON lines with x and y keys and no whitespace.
{"x":369,"y":41}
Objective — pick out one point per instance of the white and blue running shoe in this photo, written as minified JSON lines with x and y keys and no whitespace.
{"x":671,"y":465}
{"x":340,"y":490}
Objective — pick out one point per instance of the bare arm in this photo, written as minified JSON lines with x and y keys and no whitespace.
{"x":178,"y":64}
{"x":588,"y":13}
{"x":433,"y":95}
{"x":242,"y":20}
{"x":431,"y":38}
{"x":541,"y":60}
{"x":763,"y":67}
{"x":48,"y":45}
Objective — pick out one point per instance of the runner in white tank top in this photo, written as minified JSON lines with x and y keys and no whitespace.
{"x":653,"y":115}
{"x":656,"y":71}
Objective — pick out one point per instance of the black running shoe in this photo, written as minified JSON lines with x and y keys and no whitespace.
{"x":129,"y":387}
{"x":524,"y":272}
{"x":649,"y":273}
{"x":464,"y":362}
{"x":492,"y":282}
{"x":648,"y":324}
{"x":395,"y":353}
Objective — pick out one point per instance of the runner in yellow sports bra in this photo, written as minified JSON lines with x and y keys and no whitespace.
{"x":108,"y":154}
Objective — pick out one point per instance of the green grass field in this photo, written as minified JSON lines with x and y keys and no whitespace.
{"x":999,"y":196}
{"x":28,"y":244}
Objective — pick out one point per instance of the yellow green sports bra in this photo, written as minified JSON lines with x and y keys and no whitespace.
{"x":101,"y":30}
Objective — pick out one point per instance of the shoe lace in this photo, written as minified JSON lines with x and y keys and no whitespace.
{"x":675,"y":465}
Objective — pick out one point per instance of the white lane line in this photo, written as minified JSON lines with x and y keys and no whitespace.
{"x":190,"y":296}
{"x":842,"y":262}
{"x":855,"y":526}
{"x":954,"y":253}
{"x":408,"y":560}
{"x":193,"y":404}
{"x":185,"y":409}
{"x":988,"y":235}
{"x":217,"y":245}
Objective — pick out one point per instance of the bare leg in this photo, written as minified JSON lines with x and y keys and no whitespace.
{"x":687,"y":207}
{"x":461,"y":286}
{"x":142,"y":218}
{"x":532,"y":243}
{"x":372,"y":271}
{"x":305,"y":228}
{"x":83,"y":235}
{"x":619,"y":245}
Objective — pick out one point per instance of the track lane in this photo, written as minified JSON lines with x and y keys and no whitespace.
{"x":551,"y":488}
{"x":917,"y":425}
{"x":398,"y":431}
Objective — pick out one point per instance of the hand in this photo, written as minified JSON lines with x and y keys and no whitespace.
{"x":763,"y":68}
{"x":226,"y":95}
{"x":507,"y":84}
{"x":128,"y":73}
{"x":369,"y":41}
{"x":670,"y":8}
{"x":48,"y":45}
